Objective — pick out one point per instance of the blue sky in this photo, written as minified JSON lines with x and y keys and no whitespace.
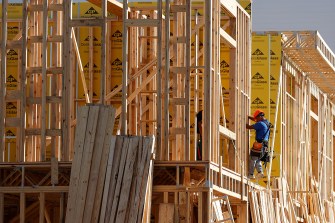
{"x":296,"y":15}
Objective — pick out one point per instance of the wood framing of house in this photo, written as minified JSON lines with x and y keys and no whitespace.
{"x":171,"y":69}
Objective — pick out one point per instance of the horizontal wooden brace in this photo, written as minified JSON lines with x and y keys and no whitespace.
{"x":179,"y":188}
{"x":51,"y":39}
{"x":86,"y":22}
{"x":12,"y":122}
{"x":37,"y":189}
{"x":14,"y":44}
{"x":51,"y":7}
{"x":148,"y":37}
{"x":178,"y":39}
{"x":142,"y":22}
{"x":50,"y":70}
{"x":178,"y":101}
{"x":178,"y":8}
{"x":13,"y":95}
{"x":49,"y":99}
{"x":178,"y":70}
{"x":55,"y":7}
{"x":48,"y":132}
{"x":178,"y":131}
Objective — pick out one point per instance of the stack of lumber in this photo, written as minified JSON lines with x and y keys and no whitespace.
{"x":128,"y":186}
{"x":111,"y":175}
{"x":262,"y":207}
{"x":316,"y":211}
{"x":277,"y":205}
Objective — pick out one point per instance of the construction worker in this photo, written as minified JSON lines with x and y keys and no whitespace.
{"x":199,"y":131}
{"x":260,"y":146}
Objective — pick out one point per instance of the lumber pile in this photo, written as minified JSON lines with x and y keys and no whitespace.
{"x":277,"y":205}
{"x":111,"y":175}
{"x":262,"y":207}
{"x":127,"y":193}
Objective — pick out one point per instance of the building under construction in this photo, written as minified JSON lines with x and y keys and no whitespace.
{"x":99,"y":102}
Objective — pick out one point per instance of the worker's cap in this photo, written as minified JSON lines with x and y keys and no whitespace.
{"x":258,"y":112}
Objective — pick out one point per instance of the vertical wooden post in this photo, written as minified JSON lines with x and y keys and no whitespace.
{"x":233,"y":105}
{"x":44,"y":80}
{"x":159,"y":108}
{"x":66,"y":94}
{"x":42,"y":207}
{"x":22,"y":207}
{"x":2,"y":207}
{"x":124,"y":69}
{"x":206,"y":207}
{"x":196,"y":86}
{"x":103,"y":52}
{"x":91,"y":62}
{"x":243,"y":212}
{"x":165,"y":149}
{"x":187,"y":79}
{"x":3,"y":80}
{"x":200,"y":207}
{"x":61,"y":208}
{"x":208,"y":83}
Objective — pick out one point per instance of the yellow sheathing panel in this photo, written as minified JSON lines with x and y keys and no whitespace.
{"x":12,"y":83}
{"x":265,"y":72}
{"x":14,"y":10}
{"x":246,"y":4}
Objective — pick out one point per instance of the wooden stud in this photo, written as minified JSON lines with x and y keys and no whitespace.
{"x":22,"y":207}
{"x":2,"y":207}
{"x":125,"y":70}
{"x":42,"y":207}
{"x":67,"y":80}
{"x":103,"y":51}
{"x":44,"y":80}
{"x":3,"y":78}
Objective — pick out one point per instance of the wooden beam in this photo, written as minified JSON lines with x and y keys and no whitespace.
{"x":80,"y":65}
{"x":22,"y":206}
{"x":230,"y":7}
{"x":227,"y":133}
{"x":42,"y":207}
{"x":2,"y":207}
{"x":113,"y":6}
{"x":227,"y":39}
{"x":29,"y":189}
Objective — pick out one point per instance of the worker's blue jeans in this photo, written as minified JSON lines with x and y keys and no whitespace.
{"x":255,"y":161}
